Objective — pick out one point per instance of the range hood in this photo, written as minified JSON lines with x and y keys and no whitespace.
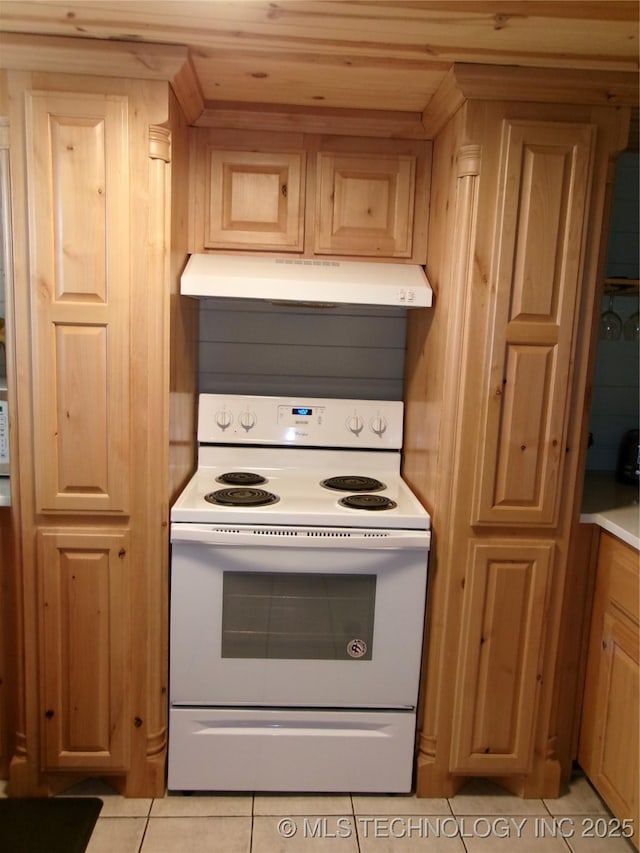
{"x":298,"y":280}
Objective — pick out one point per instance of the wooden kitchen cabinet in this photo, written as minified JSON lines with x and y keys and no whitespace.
{"x":309,"y":194}
{"x":7,"y":661}
{"x":609,"y":738}
{"x":495,"y":377}
{"x":94,"y":286}
{"x":543,"y":191}
{"x":77,"y":169}
{"x":254,"y":200}
{"x":364,"y":205}
{"x":85,"y":639}
{"x":503,"y":601}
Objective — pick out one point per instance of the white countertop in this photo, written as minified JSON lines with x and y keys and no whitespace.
{"x":611,"y":505}
{"x":5,"y":491}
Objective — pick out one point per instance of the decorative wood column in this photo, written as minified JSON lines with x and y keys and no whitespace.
{"x":158,"y":402}
{"x":149,"y":578}
{"x":10,"y":694}
{"x":432,"y":774}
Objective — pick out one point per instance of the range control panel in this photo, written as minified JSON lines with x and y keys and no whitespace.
{"x":307,"y":422}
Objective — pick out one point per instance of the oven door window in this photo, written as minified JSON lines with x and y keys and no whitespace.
{"x":298,"y":616}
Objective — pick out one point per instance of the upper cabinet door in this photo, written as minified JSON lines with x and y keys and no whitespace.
{"x":365,"y":204}
{"x":255,"y":200}
{"x":543,"y":197}
{"x":78,"y":196}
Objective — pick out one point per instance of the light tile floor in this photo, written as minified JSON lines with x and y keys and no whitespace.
{"x":482,"y":818}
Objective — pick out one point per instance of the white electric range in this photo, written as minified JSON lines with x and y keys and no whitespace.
{"x":298,"y":576}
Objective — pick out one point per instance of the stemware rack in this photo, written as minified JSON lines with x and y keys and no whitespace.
{"x":622,"y":285}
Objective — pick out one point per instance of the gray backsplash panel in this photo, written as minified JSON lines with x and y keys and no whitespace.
{"x":252,"y":347}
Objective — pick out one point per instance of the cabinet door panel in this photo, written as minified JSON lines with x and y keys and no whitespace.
{"x":365,"y":205}
{"x":542,"y":205}
{"x":616,"y":770}
{"x":84,"y":643}
{"x":79,"y":253}
{"x":520,"y":468}
{"x":610,"y":725}
{"x":500,"y":654}
{"x":255,"y":200}
{"x":82,"y":359}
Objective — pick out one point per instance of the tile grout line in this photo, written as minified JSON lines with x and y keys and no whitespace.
{"x":566,"y":843}
{"x":146,"y":826}
{"x":253,"y":814}
{"x":355,"y":824}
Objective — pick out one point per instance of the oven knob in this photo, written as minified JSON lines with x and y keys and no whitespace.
{"x":378,"y":425}
{"x":355,"y":424}
{"x":224,"y":419}
{"x":247,"y":420}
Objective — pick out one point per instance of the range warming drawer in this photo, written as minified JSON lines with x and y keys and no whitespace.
{"x":229,"y":749}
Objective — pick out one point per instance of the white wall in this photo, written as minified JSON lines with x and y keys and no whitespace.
{"x":615,"y":403}
{"x":252,"y":347}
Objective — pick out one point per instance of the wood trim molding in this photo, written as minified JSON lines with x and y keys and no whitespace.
{"x":447,"y":100}
{"x":4,"y":133}
{"x":432,"y":774}
{"x":536,"y":85}
{"x":160,"y":143}
{"x":547,"y":85}
{"x":187,"y":90}
{"x":280,"y":117}
{"x":468,"y":161}
{"x":101,"y":58}
{"x":157,"y":396}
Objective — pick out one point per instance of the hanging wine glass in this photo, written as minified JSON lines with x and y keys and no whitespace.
{"x":610,"y":324}
{"x":631,"y":328}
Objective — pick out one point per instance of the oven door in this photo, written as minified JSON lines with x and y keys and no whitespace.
{"x":288,"y":616}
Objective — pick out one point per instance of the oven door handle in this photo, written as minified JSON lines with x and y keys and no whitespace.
{"x":297,"y":537}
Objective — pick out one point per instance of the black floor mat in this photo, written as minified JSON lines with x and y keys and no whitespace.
{"x":47,"y":825}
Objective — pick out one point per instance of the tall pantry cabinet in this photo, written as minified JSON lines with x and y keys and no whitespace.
{"x":91,"y":188}
{"x":495,"y":404}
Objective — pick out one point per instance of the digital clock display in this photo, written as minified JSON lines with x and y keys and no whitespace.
{"x":302,"y":411}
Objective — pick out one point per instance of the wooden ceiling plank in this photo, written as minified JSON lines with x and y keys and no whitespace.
{"x":368,"y":54}
{"x":606,"y":31}
{"x":593,"y":10}
{"x":80,"y":56}
{"x":369,"y":88}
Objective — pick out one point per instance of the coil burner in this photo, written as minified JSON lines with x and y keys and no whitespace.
{"x":353,"y":483}
{"x":241,"y":497}
{"x":241,"y":478}
{"x":369,"y":502}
